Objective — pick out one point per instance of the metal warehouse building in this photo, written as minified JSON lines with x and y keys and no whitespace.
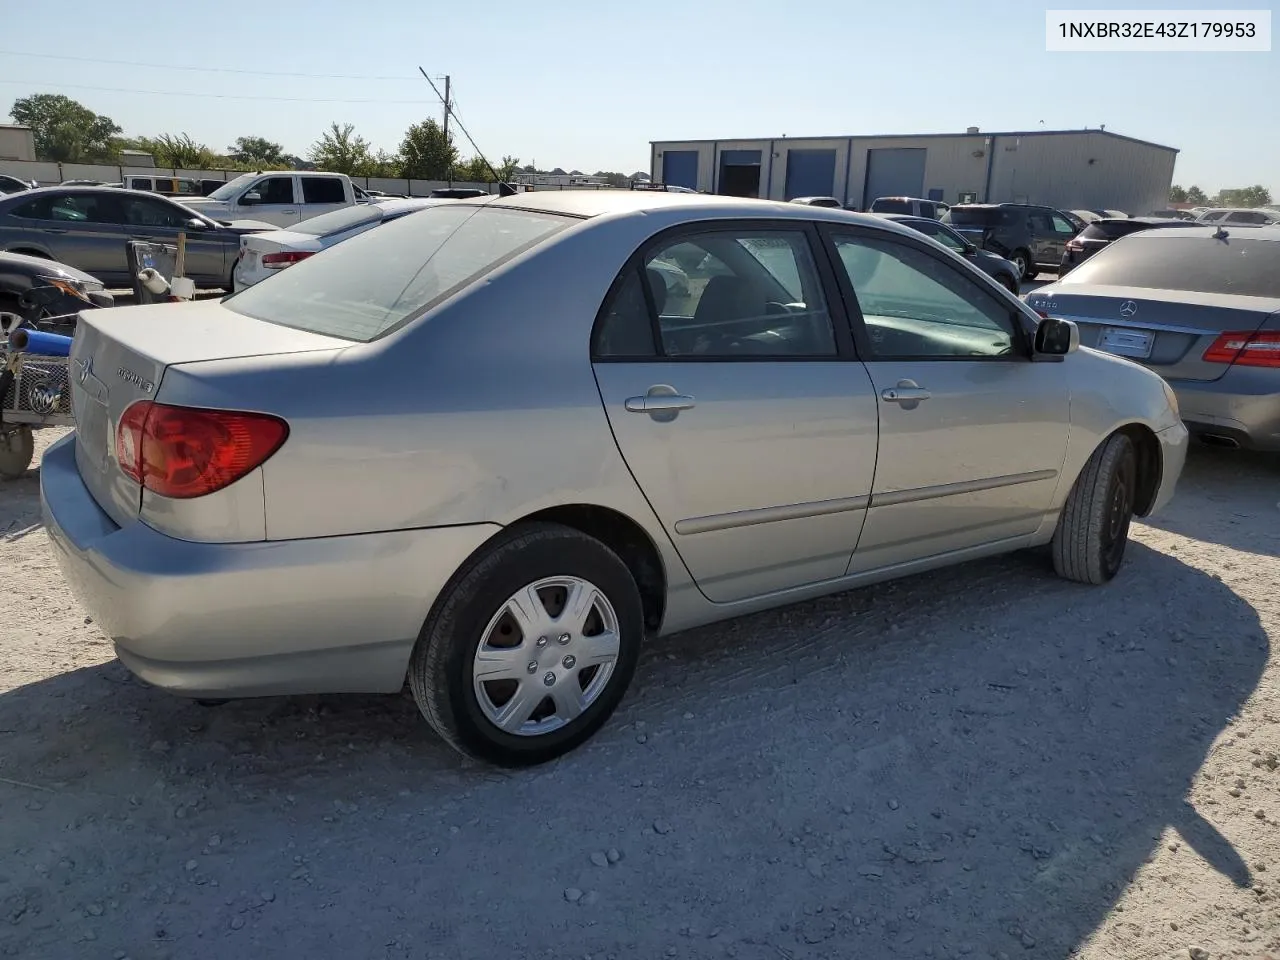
{"x":1069,"y":169}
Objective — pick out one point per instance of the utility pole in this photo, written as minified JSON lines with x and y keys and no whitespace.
{"x":447,"y":108}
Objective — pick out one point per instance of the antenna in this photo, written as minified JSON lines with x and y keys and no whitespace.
{"x":504,"y":189}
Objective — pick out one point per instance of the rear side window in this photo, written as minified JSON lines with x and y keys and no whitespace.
{"x":1170,"y":260}
{"x":323,"y":190}
{"x":381,"y":279}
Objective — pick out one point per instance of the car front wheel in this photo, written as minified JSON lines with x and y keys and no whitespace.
{"x":531,"y":647}
{"x":1093,"y":529}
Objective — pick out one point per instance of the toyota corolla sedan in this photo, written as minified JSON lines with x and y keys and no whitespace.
{"x":489,"y":448}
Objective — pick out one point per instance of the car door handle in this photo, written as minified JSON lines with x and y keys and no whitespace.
{"x":660,"y":403}
{"x":290,"y":212}
{"x":908,"y":393}
{"x":52,"y":230}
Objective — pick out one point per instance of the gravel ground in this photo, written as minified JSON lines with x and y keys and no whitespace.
{"x":983,"y":762}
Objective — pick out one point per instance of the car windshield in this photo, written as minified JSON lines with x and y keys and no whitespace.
{"x":337,"y":221}
{"x":1170,"y":260}
{"x":228,"y":190}
{"x":382,"y":279}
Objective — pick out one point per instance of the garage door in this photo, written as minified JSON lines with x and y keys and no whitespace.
{"x":894,"y":173}
{"x":810,"y":173}
{"x":680,"y":168}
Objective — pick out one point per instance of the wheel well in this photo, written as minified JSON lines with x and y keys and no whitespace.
{"x":628,"y":540}
{"x":31,"y":252}
{"x":1150,"y":466}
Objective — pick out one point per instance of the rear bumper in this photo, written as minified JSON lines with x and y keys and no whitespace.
{"x":1242,"y":406}
{"x":328,"y":615}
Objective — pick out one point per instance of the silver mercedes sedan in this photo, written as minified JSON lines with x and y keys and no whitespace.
{"x":491,"y":447}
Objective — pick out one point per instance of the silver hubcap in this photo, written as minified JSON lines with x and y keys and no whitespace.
{"x":546,"y":656}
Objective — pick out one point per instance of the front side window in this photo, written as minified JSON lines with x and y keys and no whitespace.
{"x":914,"y":306}
{"x":382,"y":279}
{"x":323,"y":190}
{"x":721,"y":295}
{"x":1062,"y":224}
{"x":274,"y":190}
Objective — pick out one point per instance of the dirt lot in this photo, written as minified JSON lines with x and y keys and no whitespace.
{"x":984,"y":762}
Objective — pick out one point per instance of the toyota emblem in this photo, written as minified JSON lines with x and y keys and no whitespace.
{"x":1128,"y":309}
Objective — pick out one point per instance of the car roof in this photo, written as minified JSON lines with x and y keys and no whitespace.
{"x":597,"y":203}
{"x":1201,"y":232}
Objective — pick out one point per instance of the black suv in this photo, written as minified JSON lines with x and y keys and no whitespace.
{"x":1033,"y":237}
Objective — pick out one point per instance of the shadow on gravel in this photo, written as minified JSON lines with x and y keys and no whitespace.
{"x":971,"y":763}
{"x":1245,"y":485}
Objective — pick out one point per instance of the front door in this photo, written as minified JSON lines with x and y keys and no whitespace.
{"x":271,"y":199}
{"x":972,"y":433}
{"x":160,"y":221}
{"x":740,"y":412}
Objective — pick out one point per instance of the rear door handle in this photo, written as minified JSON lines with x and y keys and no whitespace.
{"x":289,"y":212}
{"x":52,"y":230}
{"x":660,"y":403}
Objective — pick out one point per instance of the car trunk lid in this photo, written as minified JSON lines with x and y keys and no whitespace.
{"x":1166,"y":330}
{"x":120,"y":356}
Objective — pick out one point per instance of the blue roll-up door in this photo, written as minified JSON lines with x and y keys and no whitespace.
{"x":894,"y":172}
{"x":680,"y":168}
{"x":810,"y":173}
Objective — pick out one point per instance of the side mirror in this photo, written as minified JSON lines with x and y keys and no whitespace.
{"x":970,"y":249}
{"x":250,"y":198}
{"x":1055,"y":338}
{"x":195,"y":223}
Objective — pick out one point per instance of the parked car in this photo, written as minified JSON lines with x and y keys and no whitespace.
{"x":480,"y":449}
{"x":1201,"y":307}
{"x":1078,"y":222}
{"x":89,"y":228}
{"x":10,"y":184}
{"x":1105,"y":230}
{"x":1240,"y":216}
{"x":819,"y":202}
{"x":1003,"y":271}
{"x":912,"y":206}
{"x":264,"y":254}
{"x":457,"y":193}
{"x":280,"y":198}
{"x":1033,"y":237}
{"x":1172,"y":214}
{"x":1081,"y":216}
{"x":167,"y":186}
{"x":20,"y":274}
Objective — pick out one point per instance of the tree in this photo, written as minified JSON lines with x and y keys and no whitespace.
{"x":612,"y":178}
{"x":1196,"y":195}
{"x":426,"y":152}
{"x":179,"y":151}
{"x":340,"y":150}
{"x":507,"y":169}
{"x":1255,"y":196}
{"x":1177,"y":194}
{"x":257,"y":152}
{"x":65,"y":131}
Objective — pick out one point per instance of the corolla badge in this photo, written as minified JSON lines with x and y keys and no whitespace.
{"x":128,"y":376}
{"x":1128,"y":309}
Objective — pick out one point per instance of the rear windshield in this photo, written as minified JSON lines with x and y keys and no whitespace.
{"x":337,"y":221}
{"x":973,"y":216}
{"x":1110,"y":229}
{"x":1170,"y":260}
{"x":884,"y":205}
{"x":383,"y":278}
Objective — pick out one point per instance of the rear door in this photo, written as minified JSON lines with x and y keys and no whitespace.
{"x":160,"y":221}
{"x":322,"y":195}
{"x":1044,"y":238}
{"x":972,"y":433}
{"x":736,"y":402}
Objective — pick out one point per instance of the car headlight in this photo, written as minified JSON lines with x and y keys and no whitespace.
{"x":1172,"y":398}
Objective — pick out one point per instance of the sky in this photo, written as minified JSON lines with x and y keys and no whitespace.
{"x":587,"y":85}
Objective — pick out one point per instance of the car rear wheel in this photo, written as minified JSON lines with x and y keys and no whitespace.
{"x":1093,"y":529}
{"x":530,"y":648}
{"x":1026,"y":266}
{"x":17,"y":450}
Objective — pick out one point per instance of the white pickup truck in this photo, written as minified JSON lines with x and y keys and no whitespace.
{"x":281,"y":197}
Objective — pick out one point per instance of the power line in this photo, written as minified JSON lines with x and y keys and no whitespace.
{"x":214,"y":96}
{"x":175,"y":66}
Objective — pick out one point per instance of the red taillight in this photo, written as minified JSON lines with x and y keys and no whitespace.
{"x":185,"y":452}
{"x":1075,"y":246}
{"x":1246,"y":349}
{"x":278,"y":261}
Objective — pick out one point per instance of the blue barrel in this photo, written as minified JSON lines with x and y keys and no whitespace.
{"x":40,"y":343}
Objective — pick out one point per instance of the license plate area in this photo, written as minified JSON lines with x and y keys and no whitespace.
{"x":1125,"y":342}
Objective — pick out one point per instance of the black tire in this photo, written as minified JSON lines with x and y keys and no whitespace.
{"x":1009,"y":282}
{"x":1089,"y":544}
{"x":440,"y":670}
{"x":1023,"y":260}
{"x":17,"y":450}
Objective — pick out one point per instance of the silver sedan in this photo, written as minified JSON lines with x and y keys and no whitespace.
{"x":491,"y":447}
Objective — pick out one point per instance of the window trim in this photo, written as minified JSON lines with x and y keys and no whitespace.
{"x":1018,"y":315}
{"x":846,"y":349}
